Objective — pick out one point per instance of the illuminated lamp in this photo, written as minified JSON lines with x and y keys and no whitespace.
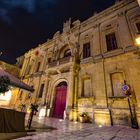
{"x":138,"y":40}
{"x":6,"y":96}
{"x":42,"y":112}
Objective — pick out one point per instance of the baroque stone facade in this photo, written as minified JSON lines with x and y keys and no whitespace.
{"x":83,"y":68}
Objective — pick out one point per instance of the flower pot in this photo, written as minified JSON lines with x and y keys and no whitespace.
{"x":83,"y":119}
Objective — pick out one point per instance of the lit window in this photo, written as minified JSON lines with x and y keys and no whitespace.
{"x":86,"y":50}
{"x":111,"y":42}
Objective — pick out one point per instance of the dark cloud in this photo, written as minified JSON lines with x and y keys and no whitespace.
{"x":26,"y":23}
{"x":6,"y":6}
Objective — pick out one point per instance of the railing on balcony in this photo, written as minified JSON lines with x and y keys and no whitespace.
{"x":64,"y":60}
{"x":52,"y":64}
{"x":60,"y":62}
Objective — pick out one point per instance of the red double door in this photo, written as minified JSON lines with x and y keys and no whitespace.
{"x":60,"y":101}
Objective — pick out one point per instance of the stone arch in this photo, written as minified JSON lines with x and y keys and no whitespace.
{"x":63,"y":50}
{"x":58,"y":83}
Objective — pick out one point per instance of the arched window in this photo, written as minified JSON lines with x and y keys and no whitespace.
{"x":67,"y":53}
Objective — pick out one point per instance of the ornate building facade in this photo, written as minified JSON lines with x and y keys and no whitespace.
{"x":84,"y":68}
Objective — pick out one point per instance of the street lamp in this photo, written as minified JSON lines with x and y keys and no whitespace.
{"x":137,"y":40}
{"x":137,"y":44}
{"x":0,"y":53}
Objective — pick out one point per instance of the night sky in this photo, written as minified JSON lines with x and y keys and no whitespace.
{"x":26,"y":23}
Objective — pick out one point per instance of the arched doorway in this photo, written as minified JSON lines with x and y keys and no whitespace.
{"x":60,"y":100}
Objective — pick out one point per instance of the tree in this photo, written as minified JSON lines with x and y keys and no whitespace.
{"x":4,"y":84}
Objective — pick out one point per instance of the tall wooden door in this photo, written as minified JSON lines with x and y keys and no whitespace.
{"x":60,"y":101}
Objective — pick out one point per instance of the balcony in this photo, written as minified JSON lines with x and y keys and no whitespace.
{"x":64,"y":60}
{"x":59,"y":62}
{"x":52,"y":64}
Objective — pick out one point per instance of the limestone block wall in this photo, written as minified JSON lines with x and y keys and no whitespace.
{"x":90,"y":86}
{"x":129,"y":65}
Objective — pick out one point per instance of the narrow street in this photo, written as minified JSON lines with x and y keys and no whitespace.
{"x":66,"y":130}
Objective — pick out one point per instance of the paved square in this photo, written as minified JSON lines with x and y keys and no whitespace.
{"x":67,"y":130}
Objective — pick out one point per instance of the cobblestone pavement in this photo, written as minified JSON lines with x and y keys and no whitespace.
{"x":82,"y":131}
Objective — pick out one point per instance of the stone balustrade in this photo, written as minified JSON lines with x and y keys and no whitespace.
{"x":60,"y":62}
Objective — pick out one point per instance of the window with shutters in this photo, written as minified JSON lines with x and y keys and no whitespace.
{"x":86,"y":50}
{"x":111,"y":42}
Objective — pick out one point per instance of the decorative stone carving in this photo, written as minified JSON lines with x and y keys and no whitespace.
{"x":55,"y":52}
{"x":76,"y":23}
{"x":67,"y":25}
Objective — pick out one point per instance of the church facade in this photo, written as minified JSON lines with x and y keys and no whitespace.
{"x":84,"y":68}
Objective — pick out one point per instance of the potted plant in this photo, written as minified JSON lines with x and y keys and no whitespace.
{"x":84,"y":117}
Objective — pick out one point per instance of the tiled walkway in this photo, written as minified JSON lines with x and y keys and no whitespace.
{"x":82,"y":131}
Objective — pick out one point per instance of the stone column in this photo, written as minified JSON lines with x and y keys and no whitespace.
{"x":74,"y":95}
{"x":71,"y":94}
{"x":46,"y":97}
{"x":76,"y":80}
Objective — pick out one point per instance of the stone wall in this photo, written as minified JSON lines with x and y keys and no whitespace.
{"x":94,"y":83}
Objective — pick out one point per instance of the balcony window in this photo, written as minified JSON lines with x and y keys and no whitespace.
{"x":67,"y":53}
{"x":86,"y":50}
{"x":111,"y":42}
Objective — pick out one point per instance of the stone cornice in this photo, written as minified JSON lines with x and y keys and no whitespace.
{"x":92,"y":20}
{"x":107,"y":12}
